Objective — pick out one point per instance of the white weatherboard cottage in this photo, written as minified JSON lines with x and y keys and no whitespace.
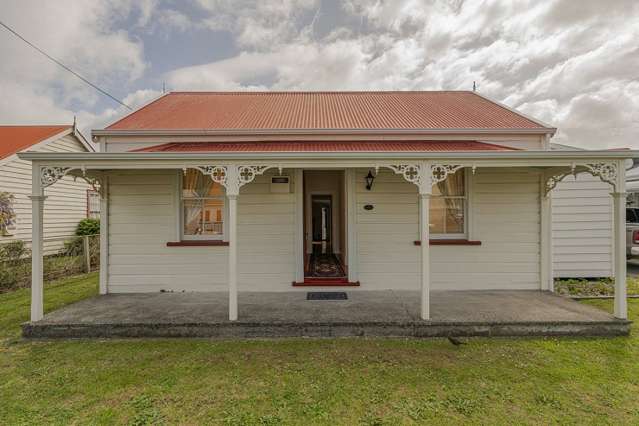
{"x":275,"y":192}
{"x":69,"y":200}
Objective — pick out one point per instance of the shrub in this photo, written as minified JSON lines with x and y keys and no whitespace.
{"x":88,"y":226}
{"x":13,"y":251}
{"x":15,"y":267}
{"x":7,"y":214}
{"x":73,"y":247}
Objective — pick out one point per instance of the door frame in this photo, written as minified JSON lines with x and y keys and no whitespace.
{"x":347,"y":202}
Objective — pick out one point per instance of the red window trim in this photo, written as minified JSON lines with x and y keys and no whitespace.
{"x":444,"y":242}
{"x":197,"y":243}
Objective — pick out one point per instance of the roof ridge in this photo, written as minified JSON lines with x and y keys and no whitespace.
{"x":36,"y":125}
{"x":305,"y":92}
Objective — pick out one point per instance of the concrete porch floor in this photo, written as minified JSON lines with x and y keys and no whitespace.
{"x":365,"y":313}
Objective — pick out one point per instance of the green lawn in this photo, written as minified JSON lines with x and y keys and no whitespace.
{"x":305,"y":381}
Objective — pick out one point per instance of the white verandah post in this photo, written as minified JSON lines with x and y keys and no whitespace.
{"x":619,"y":220}
{"x":104,"y":234}
{"x":546,"y":266}
{"x":425,"y":190}
{"x":37,"y":272}
{"x":299,"y":225}
{"x":232,"y":256}
{"x":232,"y":185}
{"x":424,"y":198}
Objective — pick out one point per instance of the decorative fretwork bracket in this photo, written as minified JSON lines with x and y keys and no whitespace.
{"x":232,"y":176}
{"x":424,"y":175}
{"x":606,"y":172}
{"x":439,"y":172}
{"x":50,"y":175}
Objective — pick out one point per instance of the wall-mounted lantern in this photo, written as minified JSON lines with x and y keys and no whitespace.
{"x":369,"y":180}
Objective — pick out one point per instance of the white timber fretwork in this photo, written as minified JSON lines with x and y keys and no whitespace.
{"x":50,"y":175}
{"x":232,"y":176}
{"x":607,"y":172}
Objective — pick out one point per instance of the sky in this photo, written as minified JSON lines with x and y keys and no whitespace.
{"x":572,"y":64}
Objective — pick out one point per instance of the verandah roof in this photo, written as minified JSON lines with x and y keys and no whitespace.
{"x":328,"y":146}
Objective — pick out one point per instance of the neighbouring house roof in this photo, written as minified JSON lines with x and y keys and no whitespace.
{"x":328,"y":146}
{"x":268,"y":111}
{"x":14,"y":139}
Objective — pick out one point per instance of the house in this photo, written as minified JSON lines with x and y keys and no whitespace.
{"x":282,"y":192}
{"x":582,"y":216}
{"x":70,"y":200}
{"x":633,"y":187}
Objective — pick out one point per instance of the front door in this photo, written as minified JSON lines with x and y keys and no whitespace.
{"x":321,"y":224}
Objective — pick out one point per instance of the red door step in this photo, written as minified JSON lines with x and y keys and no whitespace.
{"x":319,"y":281}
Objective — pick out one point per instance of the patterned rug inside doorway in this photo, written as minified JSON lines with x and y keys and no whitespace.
{"x":325,"y":266}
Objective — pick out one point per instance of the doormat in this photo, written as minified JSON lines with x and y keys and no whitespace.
{"x":325,"y":266}
{"x":326,"y":295}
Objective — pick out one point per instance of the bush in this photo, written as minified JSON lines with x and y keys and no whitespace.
{"x":88,"y":226}
{"x":73,"y":247}
{"x":7,"y":214}
{"x":15,"y":267}
{"x":13,"y":251}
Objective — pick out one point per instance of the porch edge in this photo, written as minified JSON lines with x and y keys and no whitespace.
{"x":244,"y":330}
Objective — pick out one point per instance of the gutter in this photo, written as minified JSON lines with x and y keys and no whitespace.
{"x":323,"y":155}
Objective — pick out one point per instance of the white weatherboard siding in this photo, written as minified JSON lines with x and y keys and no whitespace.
{"x":582,"y":228}
{"x":143,"y":218}
{"x":505,"y":218}
{"x":63,"y":209}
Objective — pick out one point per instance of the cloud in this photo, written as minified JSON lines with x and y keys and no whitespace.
{"x":261,"y":24}
{"x":536,"y":56}
{"x":79,"y":34}
{"x":573,"y":67}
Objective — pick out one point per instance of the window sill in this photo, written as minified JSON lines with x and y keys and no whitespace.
{"x":197,"y":243}
{"x":444,"y":242}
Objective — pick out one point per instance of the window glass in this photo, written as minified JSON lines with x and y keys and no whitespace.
{"x":93,"y":204}
{"x":448,"y":205}
{"x":202,"y":206}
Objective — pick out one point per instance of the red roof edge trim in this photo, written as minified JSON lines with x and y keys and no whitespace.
{"x":328,"y":146}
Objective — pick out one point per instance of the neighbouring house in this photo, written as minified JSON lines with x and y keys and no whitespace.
{"x":70,"y":201}
{"x":286,"y":191}
{"x":632,"y":180}
{"x":582,"y":216}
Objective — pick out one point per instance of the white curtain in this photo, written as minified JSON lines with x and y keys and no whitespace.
{"x":453,"y":186}
{"x":195,"y":186}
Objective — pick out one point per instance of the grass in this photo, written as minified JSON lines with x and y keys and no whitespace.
{"x":307,"y":381}
{"x":598,"y":287}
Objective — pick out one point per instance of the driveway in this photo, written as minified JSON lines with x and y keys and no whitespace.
{"x":633,"y":268}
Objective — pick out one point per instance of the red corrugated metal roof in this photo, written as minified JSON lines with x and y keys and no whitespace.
{"x":14,"y":139}
{"x":323,"y":110}
{"x":327,"y":146}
